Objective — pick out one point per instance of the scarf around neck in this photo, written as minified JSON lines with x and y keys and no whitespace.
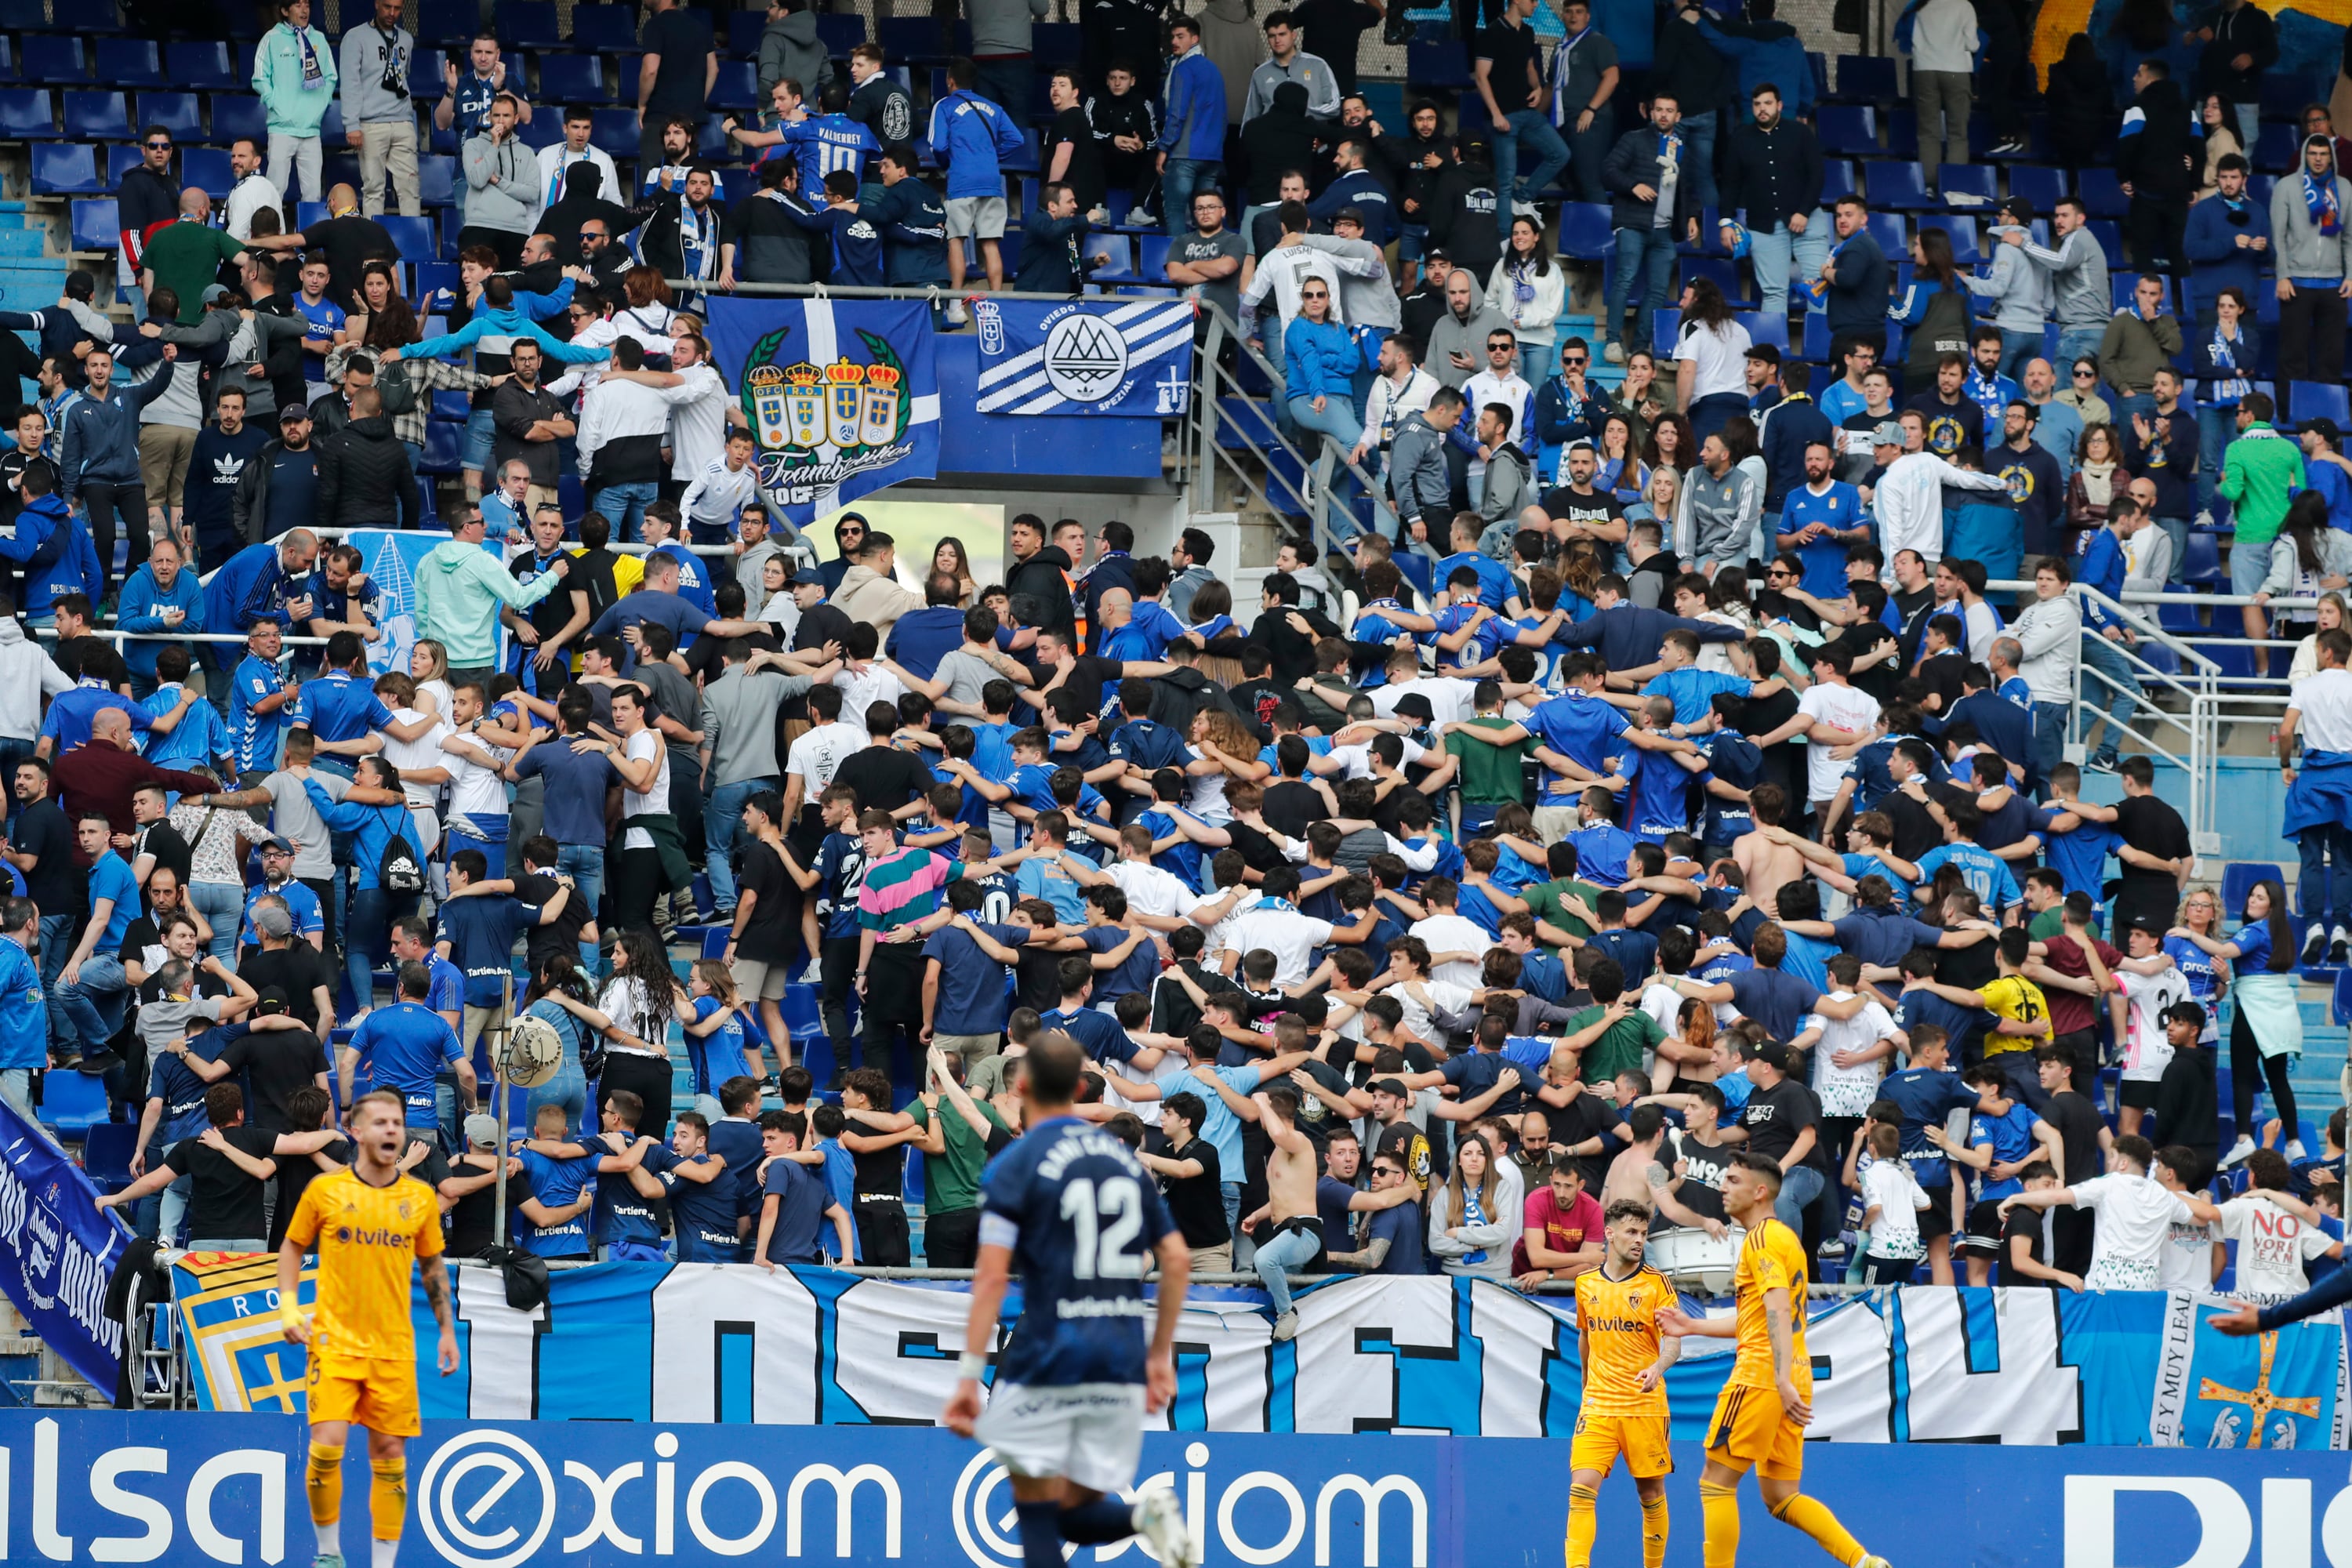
{"x":2098,"y":482}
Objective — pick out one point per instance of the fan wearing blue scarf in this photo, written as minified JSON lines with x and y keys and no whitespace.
{"x":2314,"y":265}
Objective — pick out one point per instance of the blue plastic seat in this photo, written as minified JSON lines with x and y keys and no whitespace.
{"x":2238,"y":879}
{"x":1968,"y":180}
{"x":2317,"y":400}
{"x":843,"y":31}
{"x":576,"y":78}
{"x":1837,"y":180}
{"x":65,"y":169}
{"x":528,"y":25}
{"x":1963,"y":233}
{"x":1847,"y":131}
{"x":743,"y":30}
{"x":106,"y":1154}
{"x":413,"y":235}
{"x":1767,"y":327}
{"x":437,"y":180}
{"x":72,"y":1102}
{"x":2277,"y":141}
{"x":2339,"y":1006}
{"x":1865,"y":78}
{"x":1584,"y":231}
{"x":2041,"y":186}
{"x":2102,"y":193}
{"x":199,"y":64}
{"x":609,"y":127}
{"x":97,"y":225}
{"x":120,"y":158}
{"x":1899,"y":187}
{"x":98,"y":117}
{"x":444,"y":448}
{"x":447,"y":23}
{"x":1887,"y":229}
{"x":2110,"y":237}
{"x":51,"y":59}
{"x":206,"y":168}
{"x":175,"y":112}
{"x":128,"y":62}
{"x":736,"y":87}
{"x":452,"y":405}
{"x":607,"y":30}
{"x":1120,"y":249}
{"x":237,"y":114}
{"x":25,"y":114}
{"x":2176,"y":615}
{"x":912,"y":40}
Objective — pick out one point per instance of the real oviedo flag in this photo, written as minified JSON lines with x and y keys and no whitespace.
{"x":1131,"y":357}
{"x":843,"y":396}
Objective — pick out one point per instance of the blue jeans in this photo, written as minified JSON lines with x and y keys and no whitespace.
{"x":1289,"y":1251}
{"x":2048,"y":743}
{"x":1178,"y":182}
{"x":481,"y":436}
{"x":722,"y":820}
{"x":1551,"y":157}
{"x":2325,"y":890}
{"x":2074,"y":343}
{"x":1771,"y":254}
{"x":1648,"y":252}
{"x":1698,"y":157}
{"x":1800,"y":1189}
{"x":1244,"y":1250}
{"x":223,"y":906}
{"x":2107,"y":659}
{"x":584,"y":864}
{"x":623,"y":506}
{"x":568,"y":1089}
{"x":1338,"y":420}
{"x":2176,"y":529}
{"x":2217,"y":426}
{"x":2140,"y":402}
{"x":367,"y":939}
{"x":2018,"y":350}
{"x":56,"y":946}
{"x":1537,"y":361}
{"x":16,"y":1089}
{"x":93,"y":1003}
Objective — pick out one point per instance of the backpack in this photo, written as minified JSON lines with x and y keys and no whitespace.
{"x":396,"y":869}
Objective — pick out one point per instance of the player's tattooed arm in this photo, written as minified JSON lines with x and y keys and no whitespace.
{"x":436,"y":1275}
{"x":1779,"y":1327}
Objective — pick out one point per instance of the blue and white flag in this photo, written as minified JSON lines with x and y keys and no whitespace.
{"x":1131,"y":357}
{"x":59,"y":1251}
{"x":843,"y":395}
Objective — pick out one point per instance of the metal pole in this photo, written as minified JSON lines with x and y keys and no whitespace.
{"x":499,"y":1114}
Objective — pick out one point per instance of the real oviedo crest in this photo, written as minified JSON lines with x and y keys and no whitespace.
{"x":817,"y":426}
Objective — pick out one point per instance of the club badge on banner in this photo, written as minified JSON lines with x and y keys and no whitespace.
{"x":1130,"y":357}
{"x":59,"y":1251}
{"x":389,"y":558}
{"x":843,"y":396}
{"x":701,"y":1342}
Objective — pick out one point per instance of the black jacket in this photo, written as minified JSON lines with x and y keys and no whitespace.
{"x":1772,"y":173}
{"x":1687,"y":66}
{"x":249,"y":508}
{"x":1461,"y":216}
{"x":364,"y":478}
{"x":1040,"y":577}
{"x":1634,"y":162}
{"x":2157,"y":154}
{"x":1280,"y":138}
{"x":2248,"y":30}
{"x":1398,"y":156}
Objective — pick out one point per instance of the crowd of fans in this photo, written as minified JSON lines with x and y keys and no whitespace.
{"x":1655,"y":777}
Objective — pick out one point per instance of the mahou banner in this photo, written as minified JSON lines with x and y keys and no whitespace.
{"x":843,"y":396}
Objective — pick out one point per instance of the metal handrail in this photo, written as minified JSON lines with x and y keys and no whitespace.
{"x":1314,"y":502}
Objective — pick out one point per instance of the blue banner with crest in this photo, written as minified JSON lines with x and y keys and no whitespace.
{"x":59,"y":1251}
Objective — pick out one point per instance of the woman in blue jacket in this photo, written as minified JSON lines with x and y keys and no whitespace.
{"x":2226,"y":354}
{"x":373,"y":811}
{"x":1319,"y":361}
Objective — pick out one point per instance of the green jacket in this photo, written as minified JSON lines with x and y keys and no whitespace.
{"x":459,"y":589}
{"x":295,"y":105}
{"x":2261,"y":470}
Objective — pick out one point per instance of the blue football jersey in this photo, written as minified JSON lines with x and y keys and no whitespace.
{"x":1084,"y":1217}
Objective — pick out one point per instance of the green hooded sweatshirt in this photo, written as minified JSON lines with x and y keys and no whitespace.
{"x":294,"y":73}
{"x":459,"y":589}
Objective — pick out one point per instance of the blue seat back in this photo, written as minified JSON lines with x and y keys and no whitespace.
{"x":2238,"y":879}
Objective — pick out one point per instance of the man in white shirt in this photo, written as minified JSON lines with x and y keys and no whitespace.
{"x":813,"y":759}
{"x":1831,"y":713}
{"x":1908,"y":497}
{"x":1274,"y":924}
{"x":1850,"y":1055}
{"x":2134,"y":1217}
{"x":1401,"y":389}
{"x":555,"y":162}
{"x":2319,"y":792}
{"x":868,"y":680}
{"x":718,"y":495}
{"x":1156,"y":898}
{"x":1285,"y":270}
{"x":626,"y":422}
{"x":251,"y":193}
{"x":1457,"y":944}
{"x":1501,"y":382}
{"x":2049,"y":632}
{"x":2274,"y":1242}
{"x":421,"y":763}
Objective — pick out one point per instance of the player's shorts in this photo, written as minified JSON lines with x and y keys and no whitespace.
{"x":376,"y":1394}
{"x":1748,"y":1429}
{"x":981,"y":218}
{"x":1983,"y":1236}
{"x":1642,"y":1439}
{"x":1091,"y":1433}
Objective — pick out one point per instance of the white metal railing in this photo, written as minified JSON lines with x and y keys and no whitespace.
{"x":1203,"y":453}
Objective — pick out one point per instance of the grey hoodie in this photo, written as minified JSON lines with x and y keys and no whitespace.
{"x":249,"y":339}
{"x":2078,"y":271}
{"x":1366,"y":298}
{"x":363,"y":65}
{"x":2020,"y":289}
{"x":501,"y":183}
{"x":2303,"y":250}
{"x":27,"y":675}
{"x":1002,"y":27}
{"x":790,"y":47}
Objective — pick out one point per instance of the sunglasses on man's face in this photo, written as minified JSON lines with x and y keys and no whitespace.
{"x":1574,"y":361}
{"x":2086,"y":374}
{"x":159,"y":146}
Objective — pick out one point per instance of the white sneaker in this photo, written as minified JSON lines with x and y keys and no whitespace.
{"x":1285,"y":1327}
{"x":2294,"y":1150}
{"x":1613,"y":352}
{"x":957,"y":314}
{"x":2238,"y":1151}
{"x":1159,"y":1520}
{"x":1523,"y":209}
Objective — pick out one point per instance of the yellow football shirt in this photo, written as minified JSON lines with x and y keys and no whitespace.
{"x":1619,"y":1320}
{"x":2018,"y":1000}
{"x":1772,"y":1259}
{"x":368,"y":1240}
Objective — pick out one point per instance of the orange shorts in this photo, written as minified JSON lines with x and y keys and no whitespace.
{"x":1641,"y":1439}
{"x":380,"y":1396}
{"x":1749,"y":1430}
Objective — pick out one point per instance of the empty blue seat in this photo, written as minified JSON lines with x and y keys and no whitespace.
{"x":1887,"y":230}
{"x":206,"y":168}
{"x":1968,"y":180}
{"x":452,"y":405}
{"x":2317,"y":400}
{"x":528,"y":25}
{"x":1029,"y":160}
{"x":1899,"y":187}
{"x":97,"y":224}
{"x":736,"y":87}
{"x":841,"y":32}
{"x":2176,"y":615}
{"x":611,"y":127}
{"x":447,"y":23}
{"x":198,"y":63}
{"x":237,"y":114}
{"x":24,"y":15}
{"x":2277,"y":141}
{"x":1865,"y":78}
{"x":910,"y":39}
{"x":1151,"y":258}
{"x":1767,"y":327}
{"x":413,"y":235}
{"x":1837,"y":180}
{"x":98,"y":117}
{"x":1847,"y":131}
{"x":743,"y":30}
{"x":1584,"y":232}
{"x":128,"y":62}
{"x":2339,"y":1007}
{"x":51,"y":59}
{"x":444,"y":448}
{"x":437,"y":180}
{"x":574,"y":78}
{"x":1445,"y":64}
{"x":106,"y":1154}
{"x":2238,"y":879}
{"x":2102,"y":193}
{"x":1963,"y":233}
{"x":2110,"y":237}
{"x":2037,"y":184}
{"x":72,"y":1102}
{"x":1665,"y":328}
{"x":121,"y":157}
{"x":25,"y":112}
{"x":1120,"y":250}
{"x":65,"y":169}
{"x":175,"y":112}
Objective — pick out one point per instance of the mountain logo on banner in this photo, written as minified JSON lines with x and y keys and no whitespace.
{"x":817,"y":426}
{"x":1085,"y":358}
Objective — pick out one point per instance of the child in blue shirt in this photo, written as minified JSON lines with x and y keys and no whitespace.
{"x":714,"y":1036}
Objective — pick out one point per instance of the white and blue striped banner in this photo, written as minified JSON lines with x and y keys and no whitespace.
{"x":1122,"y":356}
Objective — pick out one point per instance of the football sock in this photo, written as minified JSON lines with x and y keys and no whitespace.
{"x":1653,"y":1531}
{"x":1720,"y":1507}
{"x":1099,"y":1523}
{"x":388,"y":1498}
{"x":322,"y":1478}
{"x":1041,"y":1534}
{"x":383,"y":1553}
{"x":1583,"y":1523}
{"x":1815,"y":1520}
